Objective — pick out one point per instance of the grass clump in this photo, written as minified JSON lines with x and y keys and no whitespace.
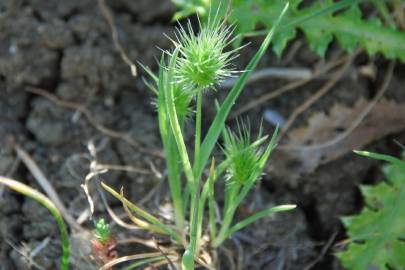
{"x":197,"y":63}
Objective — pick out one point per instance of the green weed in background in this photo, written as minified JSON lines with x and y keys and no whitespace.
{"x":321,"y":22}
{"x":377,"y":234}
{"x":197,"y":64}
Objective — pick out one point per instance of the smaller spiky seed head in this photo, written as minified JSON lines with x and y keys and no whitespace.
{"x":238,"y":148}
{"x":203,"y":62}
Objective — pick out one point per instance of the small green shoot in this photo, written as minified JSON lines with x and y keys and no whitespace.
{"x":102,"y":231}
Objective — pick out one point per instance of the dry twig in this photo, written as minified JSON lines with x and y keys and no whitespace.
{"x":46,"y":186}
{"x":135,"y":257}
{"x":323,"y":251}
{"x":91,"y":119}
{"x":355,"y":123}
{"x":114,"y":34}
{"x":315,"y":97}
{"x":286,"y":88}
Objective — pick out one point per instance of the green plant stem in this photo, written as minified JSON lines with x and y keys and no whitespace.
{"x":226,"y":223}
{"x":211,"y":212}
{"x":42,"y":199}
{"x":198,"y":117}
{"x":203,"y":198}
{"x":201,"y":206}
{"x":197,"y":207}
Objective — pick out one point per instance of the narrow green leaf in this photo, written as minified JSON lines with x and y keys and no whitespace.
{"x":264,"y":213}
{"x":383,"y":157}
{"x":170,"y":149}
{"x":142,"y":213}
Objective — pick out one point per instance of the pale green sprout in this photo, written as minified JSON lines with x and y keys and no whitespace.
{"x":199,"y":62}
{"x":102,"y":231}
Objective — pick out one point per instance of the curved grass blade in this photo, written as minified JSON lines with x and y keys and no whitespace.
{"x":382,"y":157}
{"x":264,"y":213}
{"x":142,"y":213}
{"x":42,"y":199}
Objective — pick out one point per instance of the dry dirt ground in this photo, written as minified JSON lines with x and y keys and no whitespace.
{"x":65,"y":49}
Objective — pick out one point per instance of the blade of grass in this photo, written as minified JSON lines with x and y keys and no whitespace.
{"x":264,"y":213}
{"x":142,"y":213}
{"x":141,"y":223}
{"x":171,"y":152}
{"x":220,"y":118}
{"x":382,"y":157}
{"x":47,"y":203}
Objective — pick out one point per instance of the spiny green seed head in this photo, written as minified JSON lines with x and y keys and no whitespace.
{"x":102,"y":231}
{"x":203,"y":62}
{"x":182,"y":100}
{"x":244,"y":157}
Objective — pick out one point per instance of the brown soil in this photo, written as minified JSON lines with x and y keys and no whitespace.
{"x":65,"y":48}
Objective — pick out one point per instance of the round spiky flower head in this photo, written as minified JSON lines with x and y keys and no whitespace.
{"x":203,"y":62}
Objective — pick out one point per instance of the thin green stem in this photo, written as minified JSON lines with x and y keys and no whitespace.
{"x":226,"y":223}
{"x":197,"y":144}
{"x":42,"y":199}
{"x":203,"y":198}
{"x":197,"y":208}
{"x":201,"y":207}
{"x":211,"y":212}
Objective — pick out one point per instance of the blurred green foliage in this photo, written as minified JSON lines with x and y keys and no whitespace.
{"x":377,"y":234}
{"x":320,"y":21}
